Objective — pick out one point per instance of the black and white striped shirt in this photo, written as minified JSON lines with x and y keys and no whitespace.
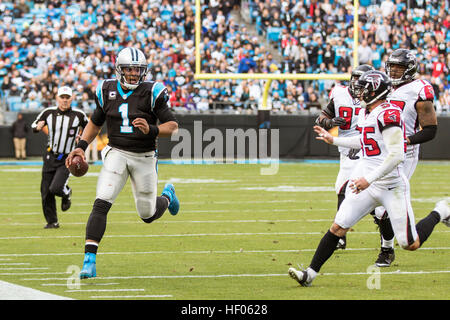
{"x":63,"y":127}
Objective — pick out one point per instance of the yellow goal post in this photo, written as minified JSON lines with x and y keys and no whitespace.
{"x":198,"y":75}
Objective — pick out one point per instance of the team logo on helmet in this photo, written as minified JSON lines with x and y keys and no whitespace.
{"x":375,"y":80}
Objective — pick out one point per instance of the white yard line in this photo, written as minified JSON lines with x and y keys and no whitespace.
{"x":80,"y":284}
{"x":105,"y":290}
{"x":178,"y":235}
{"x":24,"y":268}
{"x":190,"y":235}
{"x":259,"y":210}
{"x":133,"y":297}
{"x":9,"y":291}
{"x":189,"y":221}
{"x":197,"y":252}
{"x":217,"y":276}
{"x":29,"y":273}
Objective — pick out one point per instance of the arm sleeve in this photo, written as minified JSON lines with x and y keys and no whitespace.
{"x":393,"y":139}
{"x":348,"y":142}
{"x":426,"y":134}
{"x":329,"y":109}
{"x":324,"y":120}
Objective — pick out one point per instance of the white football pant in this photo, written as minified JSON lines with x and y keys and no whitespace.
{"x":141,"y":167}
{"x":346,"y":167}
{"x":409,"y":166}
{"x":396,"y":201}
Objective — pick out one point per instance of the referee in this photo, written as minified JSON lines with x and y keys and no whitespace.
{"x":64,"y":125}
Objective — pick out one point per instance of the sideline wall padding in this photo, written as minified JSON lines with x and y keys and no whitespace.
{"x":296,"y":137}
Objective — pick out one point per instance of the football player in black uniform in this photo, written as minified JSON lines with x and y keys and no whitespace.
{"x":131,"y":107}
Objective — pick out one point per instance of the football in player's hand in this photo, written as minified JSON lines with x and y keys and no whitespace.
{"x":78,"y":167}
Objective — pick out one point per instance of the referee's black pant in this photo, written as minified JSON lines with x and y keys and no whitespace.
{"x":55,"y":177}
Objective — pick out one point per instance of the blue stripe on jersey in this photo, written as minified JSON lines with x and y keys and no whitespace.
{"x":99,"y":92}
{"x":123,"y":94}
{"x":158,"y":87}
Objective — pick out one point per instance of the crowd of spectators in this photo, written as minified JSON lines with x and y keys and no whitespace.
{"x":44,"y":44}
{"x":317,"y":37}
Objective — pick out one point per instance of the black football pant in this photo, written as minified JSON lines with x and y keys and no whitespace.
{"x":55,"y":176}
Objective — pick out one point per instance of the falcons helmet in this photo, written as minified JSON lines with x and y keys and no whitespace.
{"x":372,"y":85}
{"x":355,"y":76}
{"x":405,"y":58}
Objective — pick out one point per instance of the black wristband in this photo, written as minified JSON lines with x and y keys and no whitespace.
{"x":82,"y":144}
{"x":426,"y":134}
{"x":154,"y":130}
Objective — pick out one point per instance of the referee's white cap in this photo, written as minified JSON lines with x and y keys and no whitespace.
{"x":65,"y":91}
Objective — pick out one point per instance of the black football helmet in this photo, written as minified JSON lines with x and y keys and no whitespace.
{"x":359,"y":70}
{"x":405,"y":58}
{"x":372,"y":85}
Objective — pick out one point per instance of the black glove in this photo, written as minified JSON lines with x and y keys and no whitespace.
{"x":327,"y":123}
{"x":352,"y":154}
{"x":338,"y":121}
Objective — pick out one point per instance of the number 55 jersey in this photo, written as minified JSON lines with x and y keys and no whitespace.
{"x":373,"y":147}
{"x":119,"y":108}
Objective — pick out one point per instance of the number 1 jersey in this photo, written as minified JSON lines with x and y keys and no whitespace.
{"x":150,"y":100}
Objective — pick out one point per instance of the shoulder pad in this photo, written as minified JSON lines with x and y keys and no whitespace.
{"x":99,"y":92}
{"x":157,"y":89}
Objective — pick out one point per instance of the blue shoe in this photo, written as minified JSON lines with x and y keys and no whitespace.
{"x":88,"y":270}
{"x":169,"y":192}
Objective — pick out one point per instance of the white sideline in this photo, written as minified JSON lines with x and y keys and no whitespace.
{"x":9,"y":291}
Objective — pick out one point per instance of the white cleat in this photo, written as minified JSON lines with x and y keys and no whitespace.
{"x":301,"y":276}
{"x":444,"y":211}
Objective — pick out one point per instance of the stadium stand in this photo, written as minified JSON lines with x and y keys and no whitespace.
{"x":48,"y":42}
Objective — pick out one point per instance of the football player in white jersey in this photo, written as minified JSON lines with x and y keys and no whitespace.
{"x":379,"y":178}
{"x":415,"y":98}
{"x":342,"y":111}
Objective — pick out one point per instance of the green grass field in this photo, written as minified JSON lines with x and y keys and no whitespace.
{"x":235,"y":237}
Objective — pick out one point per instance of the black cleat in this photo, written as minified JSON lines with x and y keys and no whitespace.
{"x":66,"y":201}
{"x":385,"y":258}
{"x":54,"y":225}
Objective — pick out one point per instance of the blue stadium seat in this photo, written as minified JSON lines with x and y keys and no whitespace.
{"x":28,"y":15}
{"x":273,"y":34}
{"x":15,"y":103}
{"x":35,"y":71}
{"x":166,"y":15}
{"x":259,"y":25}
